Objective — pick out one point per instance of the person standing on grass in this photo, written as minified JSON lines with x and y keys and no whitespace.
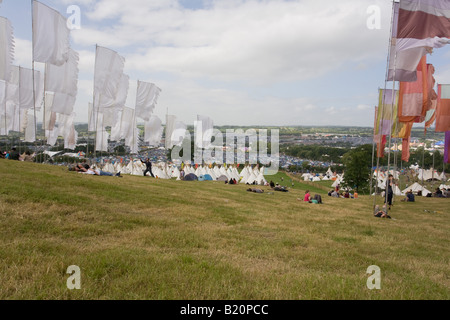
{"x":390,"y":191}
{"x":148,"y":166}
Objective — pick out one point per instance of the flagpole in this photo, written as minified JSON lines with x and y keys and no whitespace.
{"x":93,"y":107}
{"x":44,"y":127}
{"x":135,"y":122}
{"x":373,"y":152}
{"x":381,"y":112}
{"x":6,"y":128}
{"x":34,"y":89}
{"x":19,"y":124}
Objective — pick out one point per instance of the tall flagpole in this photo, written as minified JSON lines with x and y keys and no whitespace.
{"x":44,"y":127}
{"x":6,"y":128}
{"x":34,"y":87}
{"x":381,"y":112}
{"x":19,"y":124}
{"x":94,"y":105}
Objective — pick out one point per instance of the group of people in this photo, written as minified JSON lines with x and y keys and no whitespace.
{"x":13,"y":154}
{"x":87,"y":169}
{"x":317,"y":199}
{"x":277,"y":187}
{"x":444,"y":193}
{"x":340,"y":194}
{"x":231,"y":181}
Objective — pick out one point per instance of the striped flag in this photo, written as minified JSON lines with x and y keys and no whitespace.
{"x":419,"y":26}
{"x":443,"y":108}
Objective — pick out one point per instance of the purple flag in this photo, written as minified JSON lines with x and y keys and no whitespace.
{"x":447,"y":145}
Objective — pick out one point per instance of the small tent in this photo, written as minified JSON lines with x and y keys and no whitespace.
{"x":415,"y":187}
{"x":190,"y":177}
{"x":222,"y":178}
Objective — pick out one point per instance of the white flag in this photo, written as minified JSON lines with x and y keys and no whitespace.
{"x":205,"y":127}
{"x":170,"y":125}
{"x":6,"y":48}
{"x":101,"y":142}
{"x":64,"y":78}
{"x":62,"y":103}
{"x":50,"y":35}
{"x":26,"y":94}
{"x":3,"y":119}
{"x":91,"y":117}
{"x":127,"y":127}
{"x":146,"y":99}
{"x":52,"y":136}
{"x":107,"y":75}
{"x":30,"y":130}
{"x":50,"y":116}
{"x":153,"y":131}
{"x":178,"y":134}
{"x":118,"y":101}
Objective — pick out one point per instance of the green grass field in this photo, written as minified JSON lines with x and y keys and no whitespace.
{"x":143,"y":238}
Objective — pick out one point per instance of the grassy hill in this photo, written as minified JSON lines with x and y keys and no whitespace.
{"x":143,"y":238}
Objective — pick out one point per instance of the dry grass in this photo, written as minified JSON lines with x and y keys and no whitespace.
{"x":141,"y":238}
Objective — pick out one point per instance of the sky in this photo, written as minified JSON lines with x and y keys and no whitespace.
{"x":240,"y":62}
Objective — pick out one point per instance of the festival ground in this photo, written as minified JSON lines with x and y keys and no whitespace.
{"x":143,"y":238}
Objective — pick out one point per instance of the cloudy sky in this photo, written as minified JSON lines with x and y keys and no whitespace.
{"x":241,"y":62}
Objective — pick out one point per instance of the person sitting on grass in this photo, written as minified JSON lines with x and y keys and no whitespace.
{"x":380,"y":213}
{"x":27,"y":156}
{"x":409,"y":196}
{"x":280,"y":188}
{"x":307,"y":197}
{"x":446,"y":193}
{"x":438,"y":193}
{"x":318,"y":198}
{"x":14,"y":154}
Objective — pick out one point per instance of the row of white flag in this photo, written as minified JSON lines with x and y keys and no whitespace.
{"x":19,"y":100}
{"x":23,"y":91}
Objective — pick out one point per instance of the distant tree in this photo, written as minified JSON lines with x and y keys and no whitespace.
{"x":306,"y":165}
{"x":357,"y":163}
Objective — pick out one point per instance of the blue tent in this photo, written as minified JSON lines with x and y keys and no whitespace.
{"x":190,"y":177}
{"x":201,"y":178}
{"x":207,"y":177}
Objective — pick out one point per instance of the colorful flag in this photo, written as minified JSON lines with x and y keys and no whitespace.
{"x":405,"y":148}
{"x":414,"y":96}
{"x":418,"y":27}
{"x":423,"y":23}
{"x":443,"y":108}
{"x":447,"y":147}
{"x":386,"y":122}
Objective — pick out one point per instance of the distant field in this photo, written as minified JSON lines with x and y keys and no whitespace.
{"x":141,"y":238}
